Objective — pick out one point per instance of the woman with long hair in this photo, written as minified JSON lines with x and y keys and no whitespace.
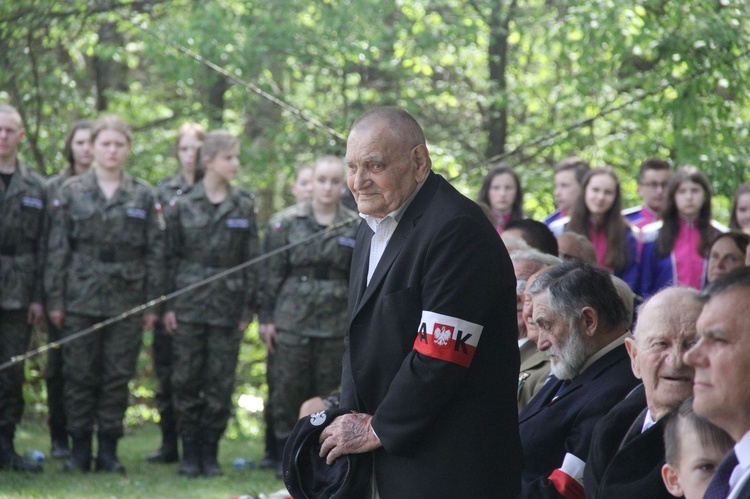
{"x":189,"y":139}
{"x":675,"y":249}
{"x":597,"y":216}
{"x":78,"y":153}
{"x":501,"y":191}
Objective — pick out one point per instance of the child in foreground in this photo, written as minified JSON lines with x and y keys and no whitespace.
{"x":693,"y":449}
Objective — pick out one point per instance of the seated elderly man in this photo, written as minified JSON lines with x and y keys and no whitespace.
{"x":627,"y":449}
{"x":572,"y":245}
{"x":526,"y":263}
{"x":583,"y":324}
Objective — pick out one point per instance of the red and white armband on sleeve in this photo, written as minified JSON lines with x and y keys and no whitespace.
{"x":568,"y":478}
{"x":447,"y":338}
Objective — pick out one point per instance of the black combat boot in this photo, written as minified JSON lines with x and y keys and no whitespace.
{"x":9,"y":458}
{"x":59,"y":446}
{"x":191,"y":455}
{"x":209,"y":454}
{"x":80,"y":457}
{"x":106,"y":457}
{"x":167,"y":453}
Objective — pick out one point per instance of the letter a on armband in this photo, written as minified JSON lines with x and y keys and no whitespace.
{"x":447,"y":338}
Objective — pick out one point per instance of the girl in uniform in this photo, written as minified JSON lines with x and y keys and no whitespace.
{"x":304,"y":315}
{"x":210,"y":229}
{"x":189,"y":139}
{"x":105,"y":257}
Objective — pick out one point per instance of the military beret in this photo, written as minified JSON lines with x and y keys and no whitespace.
{"x":308,"y":476}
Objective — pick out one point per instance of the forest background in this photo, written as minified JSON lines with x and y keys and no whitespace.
{"x":528,"y":82}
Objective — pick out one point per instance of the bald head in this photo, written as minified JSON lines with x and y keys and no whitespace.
{"x":672,"y":308}
{"x":11,"y":133}
{"x":386,"y":159}
{"x":665,"y":331}
{"x":574,"y":245}
{"x":401,"y":124}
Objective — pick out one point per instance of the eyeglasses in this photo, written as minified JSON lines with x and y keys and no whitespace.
{"x":655,"y":185}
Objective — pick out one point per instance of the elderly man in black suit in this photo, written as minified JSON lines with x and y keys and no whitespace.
{"x":431,"y":364}
{"x":721,"y":392}
{"x":583,"y":324}
{"x":627,"y":449}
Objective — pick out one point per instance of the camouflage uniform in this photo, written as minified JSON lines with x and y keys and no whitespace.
{"x":54,"y":374}
{"x":305,"y":298}
{"x":167,"y":190}
{"x":22,"y":215}
{"x":104,"y":258}
{"x":202,"y":240}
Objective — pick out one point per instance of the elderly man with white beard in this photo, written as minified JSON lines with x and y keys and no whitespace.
{"x":583,"y":324}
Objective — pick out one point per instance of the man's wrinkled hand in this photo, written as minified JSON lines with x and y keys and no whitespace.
{"x":348,"y":434}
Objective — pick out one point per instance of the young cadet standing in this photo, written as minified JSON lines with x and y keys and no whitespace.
{"x":189,"y":138}
{"x":105,"y":256}
{"x":304,"y":314}
{"x":22,"y":216}
{"x":210,"y":229}
{"x":78,"y":153}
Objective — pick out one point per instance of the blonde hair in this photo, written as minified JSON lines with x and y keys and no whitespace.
{"x":111,"y":122}
{"x":214,"y":143}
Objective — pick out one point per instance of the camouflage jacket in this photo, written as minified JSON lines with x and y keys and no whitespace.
{"x":306,"y":287}
{"x":169,"y":189}
{"x":105,"y":256}
{"x":23,"y":213}
{"x":204,"y":239}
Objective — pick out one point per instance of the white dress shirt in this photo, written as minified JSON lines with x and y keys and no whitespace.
{"x":741,"y":472}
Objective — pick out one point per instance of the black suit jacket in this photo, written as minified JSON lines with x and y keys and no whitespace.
{"x":623,"y":462}
{"x":448,"y":430}
{"x":552,"y":427}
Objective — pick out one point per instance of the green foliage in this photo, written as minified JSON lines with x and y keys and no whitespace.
{"x":611,"y":81}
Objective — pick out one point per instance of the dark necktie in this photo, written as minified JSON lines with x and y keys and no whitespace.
{"x":561,"y":389}
{"x":719,"y":486}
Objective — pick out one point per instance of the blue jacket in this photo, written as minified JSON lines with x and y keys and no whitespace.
{"x":552,"y":427}
{"x":657,"y":272}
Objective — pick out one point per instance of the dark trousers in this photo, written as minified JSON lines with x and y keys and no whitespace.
{"x":55,"y":387}
{"x":15,"y":334}
{"x":163,"y":353}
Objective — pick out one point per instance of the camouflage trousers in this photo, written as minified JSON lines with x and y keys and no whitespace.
{"x":204,"y":362}
{"x":15,"y":334}
{"x":55,"y":386}
{"x":303,"y":367}
{"x":163,"y":354}
{"x":97,"y":368}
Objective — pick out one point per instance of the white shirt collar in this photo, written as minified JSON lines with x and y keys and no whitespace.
{"x":396,"y":214}
{"x":742,"y":449}
{"x":648,"y":421}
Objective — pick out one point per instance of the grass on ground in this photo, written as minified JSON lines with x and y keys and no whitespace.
{"x":143,"y":480}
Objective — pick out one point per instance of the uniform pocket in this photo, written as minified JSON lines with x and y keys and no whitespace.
{"x":83,"y":222}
